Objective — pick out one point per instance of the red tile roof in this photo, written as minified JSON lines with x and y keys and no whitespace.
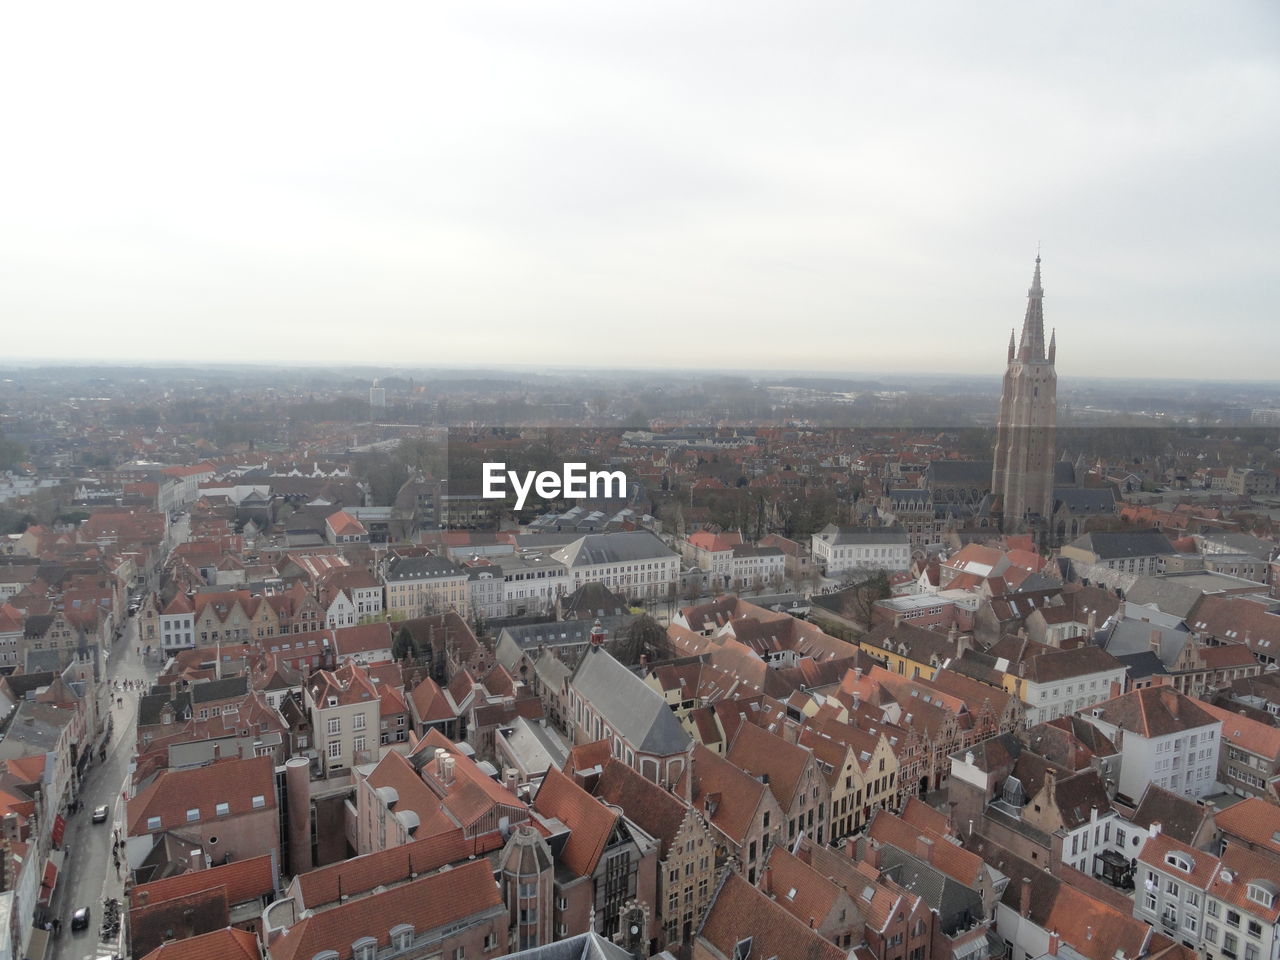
{"x":228,"y":944}
{"x":174,"y":792}
{"x":589,"y":821}
{"x":739,"y":911}
{"x":428,"y":903}
{"x":244,"y":880}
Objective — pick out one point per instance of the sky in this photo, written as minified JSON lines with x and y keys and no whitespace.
{"x":835,"y":186}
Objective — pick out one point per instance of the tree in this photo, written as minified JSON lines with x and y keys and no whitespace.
{"x":644,"y":636}
{"x":864,"y":591}
{"x":405,"y":647}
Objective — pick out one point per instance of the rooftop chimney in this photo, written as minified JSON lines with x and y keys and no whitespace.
{"x":1024,"y":899}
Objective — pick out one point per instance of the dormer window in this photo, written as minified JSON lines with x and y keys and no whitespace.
{"x":333,"y":701}
{"x":366,"y":948}
{"x":1181,"y":862}
{"x":1262,"y":895}
{"x":153,"y":823}
{"x":401,"y":936}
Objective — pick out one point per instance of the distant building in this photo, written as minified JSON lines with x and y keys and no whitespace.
{"x":1022,"y":479}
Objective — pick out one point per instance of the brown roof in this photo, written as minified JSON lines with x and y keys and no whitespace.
{"x":228,"y":944}
{"x":1255,"y":821}
{"x":397,"y":864}
{"x":244,"y":880}
{"x":939,"y":852}
{"x":174,"y":792}
{"x":1154,"y":712}
{"x":735,"y":794}
{"x":1178,"y":816}
{"x":589,"y":821}
{"x":798,"y":888}
{"x":659,"y":813}
{"x":427,"y":903}
{"x":739,"y":911}
{"x":762,"y":753}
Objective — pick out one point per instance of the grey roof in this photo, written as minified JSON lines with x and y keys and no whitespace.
{"x":34,"y":728}
{"x":537,"y":747}
{"x":840,"y":536}
{"x":1142,"y":665}
{"x":1122,"y":544}
{"x":1126,"y":637}
{"x":613,"y":548}
{"x":585,"y":946}
{"x":958,"y":906}
{"x":1086,"y":501}
{"x":422,"y":568}
{"x":1170,"y":597}
{"x":629,"y":705}
{"x":223,"y":689}
{"x":560,"y":633}
{"x":149,"y":706}
{"x":969,"y":473}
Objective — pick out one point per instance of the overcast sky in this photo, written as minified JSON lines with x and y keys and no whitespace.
{"x":836,"y":186}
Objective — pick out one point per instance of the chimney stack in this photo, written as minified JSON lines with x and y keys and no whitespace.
{"x":924,"y":849}
{"x":1055,"y":942}
{"x":1024,"y":900}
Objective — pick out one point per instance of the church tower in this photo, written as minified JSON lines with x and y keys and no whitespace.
{"x":1022,"y":479}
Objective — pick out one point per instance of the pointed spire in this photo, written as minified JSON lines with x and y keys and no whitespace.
{"x":1053,"y":344}
{"x":1012,"y":344}
{"x":1031,"y":346}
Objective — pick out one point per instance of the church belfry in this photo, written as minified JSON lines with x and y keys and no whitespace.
{"x":1022,"y":478}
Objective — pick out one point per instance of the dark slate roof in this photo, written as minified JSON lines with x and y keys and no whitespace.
{"x":1086,"y":501}
{"x":1064,"y":473}
{"x":1178,"y":816}
{"x":422,"y":568}
{"x":969,"y":473}
{"x":957,"y":905}
{"x":629,"y":705}
{"x":1122,"y":544}
{"x":613,"y":548}
{"x":223,"y":689}
{"x":1142,"y":665}
{"x":150,"y":706}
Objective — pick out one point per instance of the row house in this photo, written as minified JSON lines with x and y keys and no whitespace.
{"x":1062,"y":682}
{"x":418,"y":586}
{"x":792,"y":774}
{"x":344,"y":706}
{"x":742,"y":811}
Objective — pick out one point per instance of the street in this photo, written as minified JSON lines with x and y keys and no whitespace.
{"x":88,"y":874}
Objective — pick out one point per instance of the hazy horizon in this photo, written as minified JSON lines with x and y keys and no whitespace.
{"x":820,"y":188}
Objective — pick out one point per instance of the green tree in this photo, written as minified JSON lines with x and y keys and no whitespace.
{"x":405,"y":647}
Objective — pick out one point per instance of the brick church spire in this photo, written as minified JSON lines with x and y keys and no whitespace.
{"x":1022,"y":477}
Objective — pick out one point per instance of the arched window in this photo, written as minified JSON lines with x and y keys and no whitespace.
{"x":366,"y":948}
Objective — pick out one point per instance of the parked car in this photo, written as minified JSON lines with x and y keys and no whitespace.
{"x":101,"y":813}
{"x":80,"y":919}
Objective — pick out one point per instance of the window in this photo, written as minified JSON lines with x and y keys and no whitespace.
{"x":153,"y":823}
{"x":359,"y":721}
{"x":1230,"y":944}
{"x":401,"y":936}
{"x":1179,"y":861}
{"x":490,"y":942}
{"x":222,"y":809}
{"x":335,"y":750}
{"x":359,"y":745}
{"x":1260,"y":894}
{"x":259,"y":802}
{"x":334,"y":725}
{"x":366,"y":948}
{"x":1213,"y":908}
{"x":1233,"y":918}
{"x":193,"y":815}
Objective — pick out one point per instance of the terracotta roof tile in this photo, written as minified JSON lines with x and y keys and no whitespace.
{"x":228,"y":944}
{"x":589,"y":821}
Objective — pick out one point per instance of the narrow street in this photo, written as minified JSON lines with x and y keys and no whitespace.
{"x":88,"y":875}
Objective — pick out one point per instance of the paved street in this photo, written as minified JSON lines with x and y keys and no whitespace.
{"x":88,"y":874}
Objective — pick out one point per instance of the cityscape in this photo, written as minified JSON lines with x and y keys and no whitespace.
{"x":602,"y":482}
